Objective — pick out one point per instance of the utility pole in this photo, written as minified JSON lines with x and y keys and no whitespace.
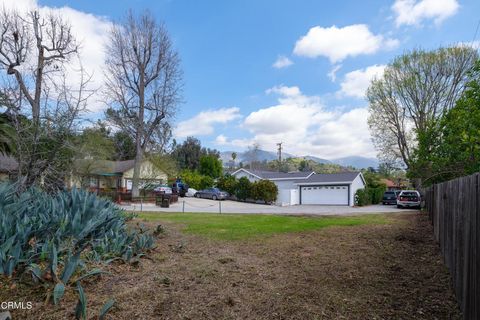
{"x":279,"y":155}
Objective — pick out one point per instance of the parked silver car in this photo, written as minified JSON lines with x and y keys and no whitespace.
{"x":409,"y":199}
{"x":212,"y":193}
{"x":163,"y":188}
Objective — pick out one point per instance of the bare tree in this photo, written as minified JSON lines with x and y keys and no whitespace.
{"x":416,"y":89}
{"x":34,"y":51}
{"x":143,"y":83}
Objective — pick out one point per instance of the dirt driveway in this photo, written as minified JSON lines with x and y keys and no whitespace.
{"x":382,"y":271}
{"x":227,"y":206}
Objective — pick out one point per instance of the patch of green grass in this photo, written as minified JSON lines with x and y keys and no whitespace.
{"x":243,"y":226}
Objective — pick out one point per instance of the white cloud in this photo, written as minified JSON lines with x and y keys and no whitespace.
{"x":339,"y":43}
{"x":204,"y":122}
{"x":222,"y":140}
{"x":282,"y":62}
{"x":305,"y":126}
{"x":332,"y":75}
{"x":90,"y":31}
{"x":345,"y":135}
{"x":284,"y":91}
{"x":355,"y":83}
{"x":413,"y":12}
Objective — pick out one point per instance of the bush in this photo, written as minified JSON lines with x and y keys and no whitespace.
{"x":206,"y":182}
{"x":367,"y":196}
{"x":227,"y":183}
{"x":53,"y":234}
{"x":244,"y":189}
{"x":196,"y":180}
{"x":264,"y":190}
{"x":362,"y":198}
{"x":376,"y":194}
{"x":192,"y":178}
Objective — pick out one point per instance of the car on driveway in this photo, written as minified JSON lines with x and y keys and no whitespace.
{"x":409,"y":199}
{"x":390,"y":197}
{"x":163,"y":188}
{"x":212,"y":193}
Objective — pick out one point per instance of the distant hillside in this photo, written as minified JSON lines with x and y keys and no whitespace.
{"x":317,"y":160}
{"x":357,"y":162}
{"x":247,"y":156}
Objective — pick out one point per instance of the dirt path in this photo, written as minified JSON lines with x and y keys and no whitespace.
{"x":391,"y":271}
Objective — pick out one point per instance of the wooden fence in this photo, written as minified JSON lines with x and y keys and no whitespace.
{"x":454,"y":207}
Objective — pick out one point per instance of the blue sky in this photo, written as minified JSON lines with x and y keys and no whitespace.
{"x":236,"y":94}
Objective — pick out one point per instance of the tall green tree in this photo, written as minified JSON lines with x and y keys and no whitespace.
{"x":189,"y":152}
{"x":415,"y":91}
{"x":124,"y":146}
{"x":210,"y":166}
{"x":457,"y":151}
{"x":7,"y":136}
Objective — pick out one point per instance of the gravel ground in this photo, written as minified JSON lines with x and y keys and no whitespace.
{"x":210,"y":206}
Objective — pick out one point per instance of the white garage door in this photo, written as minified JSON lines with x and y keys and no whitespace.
{"x":327,"y":195}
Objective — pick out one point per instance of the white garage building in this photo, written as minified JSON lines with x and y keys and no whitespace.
{"x":310,"y":188}
{"x":330,"y":188}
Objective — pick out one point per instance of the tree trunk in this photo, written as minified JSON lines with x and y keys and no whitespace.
{"x":138,"y":138}
{"x":136,"y":172}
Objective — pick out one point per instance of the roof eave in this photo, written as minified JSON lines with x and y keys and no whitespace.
{"x":322,"y":183}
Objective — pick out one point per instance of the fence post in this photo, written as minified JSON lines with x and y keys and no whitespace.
{"x":220,"y":206}
{"x":183,"y":206}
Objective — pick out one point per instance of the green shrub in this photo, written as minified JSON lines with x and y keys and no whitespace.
{"x":196,"y":180}
{"x":227,"y":183}
{"x":244,"y":189}
{"x":206,"y":182}
{"x":376,"y":194}
{"x":367,"y":196}
{"x":264,"y":190}
{"x":362,"y":198}
{"x":192,"y":178}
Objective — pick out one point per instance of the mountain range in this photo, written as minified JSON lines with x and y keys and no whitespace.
{"x":357,"y":162}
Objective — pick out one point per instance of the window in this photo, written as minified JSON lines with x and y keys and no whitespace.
{"x":315,"y":188}
{"x":338,"y":187}
{"x":309,"y":188}
{"x":332,"y":187}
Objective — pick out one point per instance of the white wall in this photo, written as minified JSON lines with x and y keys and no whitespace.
{"x":356,"y":184}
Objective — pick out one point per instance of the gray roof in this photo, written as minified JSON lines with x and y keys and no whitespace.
{"x":103,"y":167}
{"x":122,"y":166}
{"x":272,"y":175}
{"x":347,"y":177}
{"x":8,"y":164}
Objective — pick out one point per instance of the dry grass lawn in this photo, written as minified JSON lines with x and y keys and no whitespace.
{"x":389,"y":270}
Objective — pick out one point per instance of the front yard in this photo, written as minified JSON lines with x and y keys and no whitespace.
{"x":210,"y":266}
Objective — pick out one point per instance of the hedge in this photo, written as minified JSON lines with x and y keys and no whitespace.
{"x":367,"y":196}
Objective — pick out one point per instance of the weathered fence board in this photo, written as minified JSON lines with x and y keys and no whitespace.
{"x":454,"y":210}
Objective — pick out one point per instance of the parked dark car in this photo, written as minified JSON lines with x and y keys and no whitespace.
{"x":390,"y":197}
{"x":212,"y":193}
{"x":409,"y":198}
{"x":180,"y":188}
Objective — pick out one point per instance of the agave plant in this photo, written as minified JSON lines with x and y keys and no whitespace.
{"x":50,"y":236}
